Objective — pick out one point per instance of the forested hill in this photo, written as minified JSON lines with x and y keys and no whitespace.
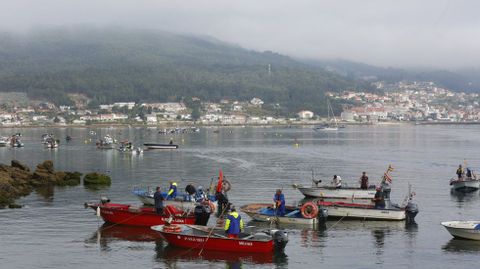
{"x":121,"y":65}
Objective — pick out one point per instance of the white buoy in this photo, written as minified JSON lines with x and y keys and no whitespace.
{"x":98,"y":211}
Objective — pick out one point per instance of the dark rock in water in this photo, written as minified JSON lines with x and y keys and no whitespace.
{"x":17,"y":180}
{"x":19,"y":165}
{"x":70,"y":178}
{"x":96,"y":179}
{"x":46,"y":166}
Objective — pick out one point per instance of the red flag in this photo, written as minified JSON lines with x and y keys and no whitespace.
{"x":220,"y":181}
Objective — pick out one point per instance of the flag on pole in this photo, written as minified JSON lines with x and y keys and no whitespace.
{"x":220,"y":181}
{"x":386,"y":175}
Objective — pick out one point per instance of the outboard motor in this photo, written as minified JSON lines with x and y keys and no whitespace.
{"x":202,"y":214}
{"x":280,"y":239}
{"x":411,"y":210}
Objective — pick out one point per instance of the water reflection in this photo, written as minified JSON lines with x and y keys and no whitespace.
{"x":108,"y":233}
{"x":171,"y":255}
{"x":46,"y":192}
{"x":463,"y":198}
{"x":462,"y":245}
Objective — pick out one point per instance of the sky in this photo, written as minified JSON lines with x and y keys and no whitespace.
{"x":407,"y":33}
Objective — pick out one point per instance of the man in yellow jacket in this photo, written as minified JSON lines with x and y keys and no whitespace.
{"x":172,"y":192}
{"x":233,"y":223}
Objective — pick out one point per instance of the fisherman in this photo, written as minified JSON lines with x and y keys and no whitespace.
{"x":233,"y":223}
{"x":171,"y":141}
{"x":191,"y":191}
{"x":460,"y":172}
{"x":172,"y":192}
{"x":200,"y":194}
{"x":337,"y":181}
{"x":379,"y":198}
{"x":279,"y":200}
{"x":364,"y":181}
{"x":158,"y":198}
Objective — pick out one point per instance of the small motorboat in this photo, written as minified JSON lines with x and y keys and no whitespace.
{"x":463,"y":229}
{"x":293,"y":215}
{"x":51,"y":143}
{"x":106,"y":143}
{"x":160,"y":146}
{"x":369,"y":212}
{"x":211,"y":238}
{"x":182,"y":201}
{"x":15,"y":141}
{"x":125,"y":214}
{"x":331,"y":192}
{"x":465,"y":184}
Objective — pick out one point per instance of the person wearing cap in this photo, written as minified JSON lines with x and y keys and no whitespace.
{"x":279,"y":200}
{"x":158,"y":198}
{"x":364,"y":181}
{"x":379,"y":198}
{"x":172,"y":192}
{"x":233,"y":223}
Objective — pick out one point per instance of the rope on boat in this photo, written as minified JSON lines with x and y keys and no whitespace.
{"x":335,"y":223}
{"x":211,"y":231}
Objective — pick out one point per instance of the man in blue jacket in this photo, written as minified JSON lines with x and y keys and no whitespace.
{"x":158,"y":198}
{"x":279,"y":200}
{"x":172,"y":192}
{"x":233,"y":223}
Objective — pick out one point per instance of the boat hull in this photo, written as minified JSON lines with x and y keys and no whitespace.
{"x":160,"y":146}
{"x":358,"y":211}
{"x":463,"y":229}
{"x":215,"y":243}
{"x":465,"y":185}
{"x":146,"y":217}
{"x":258,"y":212}
{"x":333,"y":193}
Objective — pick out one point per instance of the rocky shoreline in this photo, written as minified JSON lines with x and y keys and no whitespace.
{"x":17,"y":180}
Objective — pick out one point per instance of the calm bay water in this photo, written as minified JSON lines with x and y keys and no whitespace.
{"x":53,"y":230}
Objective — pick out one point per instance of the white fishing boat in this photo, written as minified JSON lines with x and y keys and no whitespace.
{"x":368,"y":212}
{"x":463,"y":229}
{"x":346,"y":193}
{"x":465,"y":184}
{"x":293,"y":215}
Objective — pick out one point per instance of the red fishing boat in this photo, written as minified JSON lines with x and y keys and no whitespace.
{"x":140,"y":216}
{"x":201,"y":237}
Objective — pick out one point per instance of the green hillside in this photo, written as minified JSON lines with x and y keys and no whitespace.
{"x":121,"y":65}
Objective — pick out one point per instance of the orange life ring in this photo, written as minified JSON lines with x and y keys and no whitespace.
{"x":309,"y":210}
{"x":172,"y":228}
{"x":212,"y":206}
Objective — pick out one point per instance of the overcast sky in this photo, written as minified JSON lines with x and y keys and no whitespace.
{"x":400,"y":33}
